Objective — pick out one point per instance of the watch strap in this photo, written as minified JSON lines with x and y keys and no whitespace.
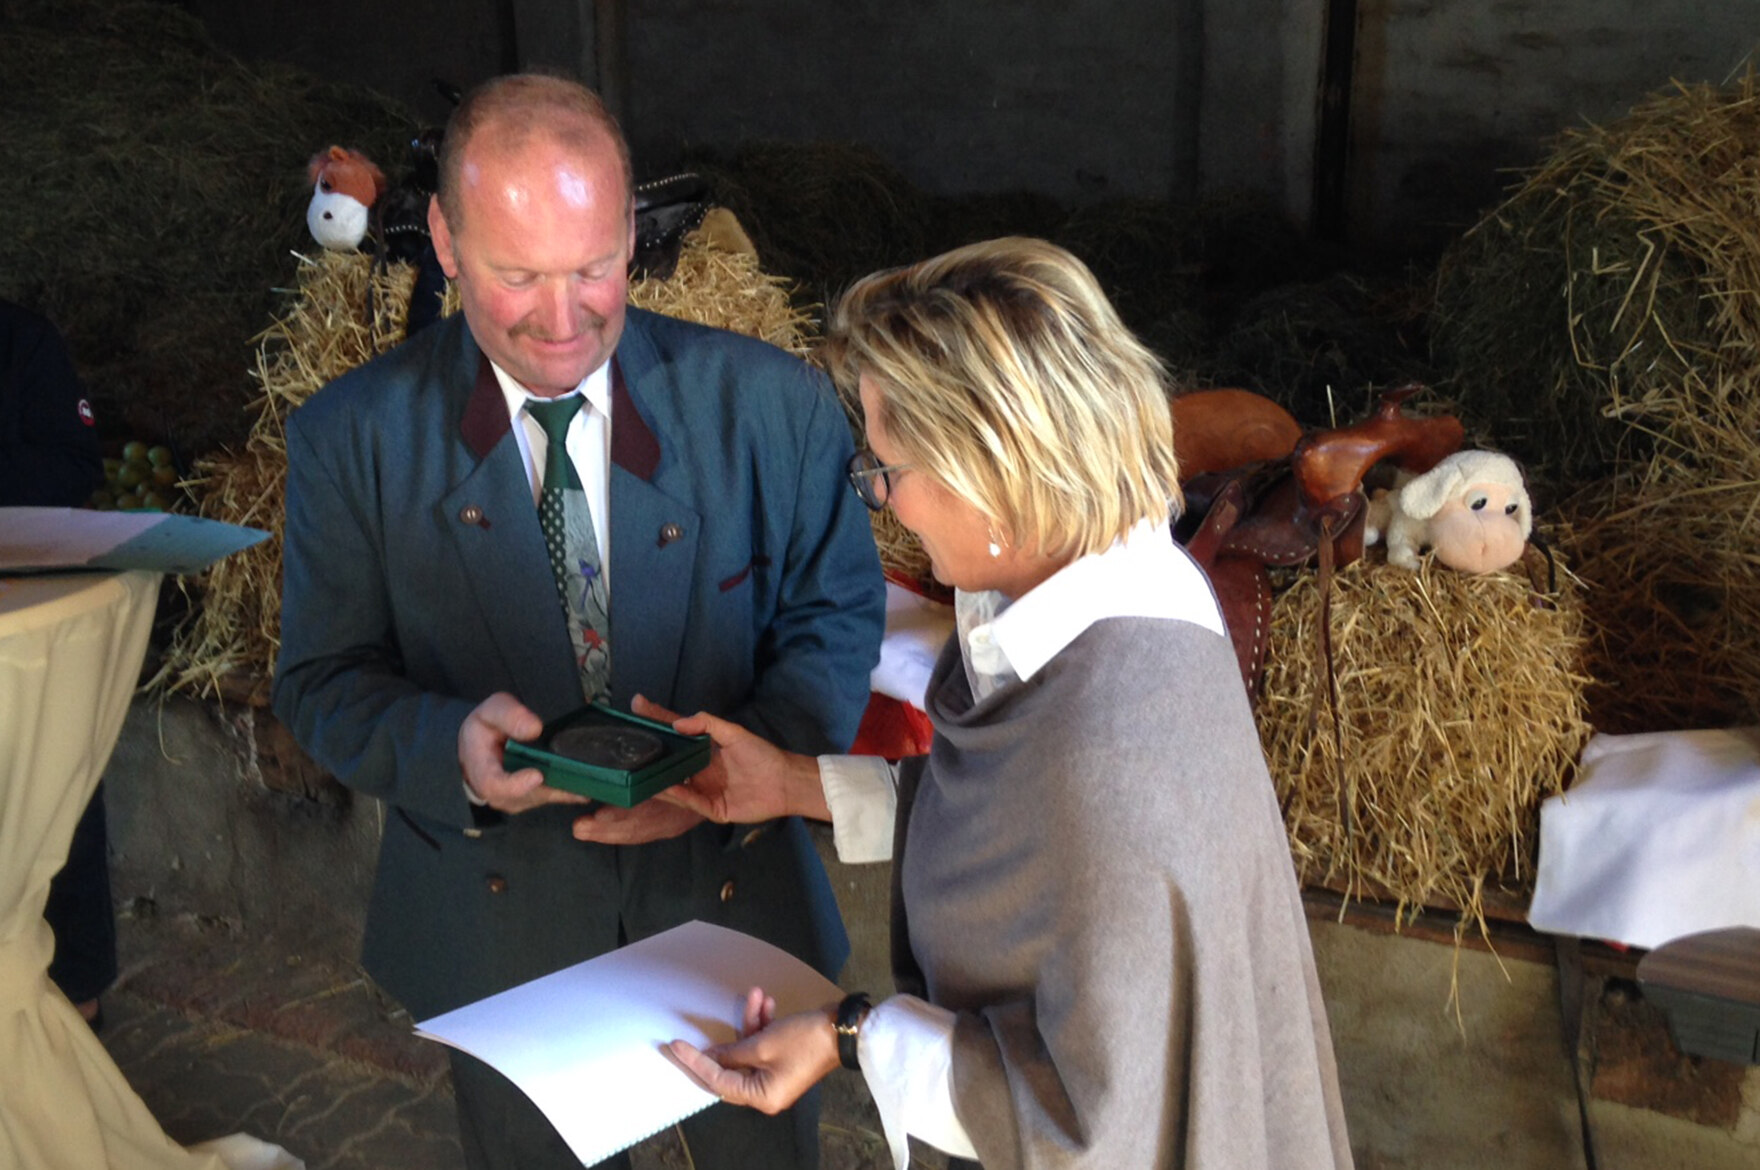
{"x":851,"y":1012}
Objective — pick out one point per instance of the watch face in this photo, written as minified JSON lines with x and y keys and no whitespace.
{"x":626,"y":748}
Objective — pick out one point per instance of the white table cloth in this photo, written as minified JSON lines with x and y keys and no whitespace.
{"x":70,"y":650}
{"x":1658,"y":838}
{"x":916,"y":629}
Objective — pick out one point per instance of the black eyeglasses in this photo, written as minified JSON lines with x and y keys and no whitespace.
{"x":871,"y":478}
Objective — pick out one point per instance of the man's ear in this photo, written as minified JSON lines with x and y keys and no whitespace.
{"x":441,"y":234}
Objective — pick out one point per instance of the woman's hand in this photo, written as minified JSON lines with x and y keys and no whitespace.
{"x":749,"y":779}
{"x":775,"y":1061}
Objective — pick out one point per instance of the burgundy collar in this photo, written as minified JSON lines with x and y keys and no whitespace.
{"x":485,"y":412}
{"x":634,"y":446}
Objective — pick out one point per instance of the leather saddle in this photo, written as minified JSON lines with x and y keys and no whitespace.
{"x":1262,"y":494}
{"x":666,"y":209}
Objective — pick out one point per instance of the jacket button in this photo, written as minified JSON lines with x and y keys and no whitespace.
{"x":746,"y":841}
{"x":727,"y":891}
{"x":670,"y":533}
{"x":497,"y":884}
{"x":470,"y":514}
{"x":473,"y":834}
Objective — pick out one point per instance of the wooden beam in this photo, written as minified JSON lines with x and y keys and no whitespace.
{"x":1506,"y":936}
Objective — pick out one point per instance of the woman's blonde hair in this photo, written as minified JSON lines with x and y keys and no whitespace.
{"x":1005,"y":373}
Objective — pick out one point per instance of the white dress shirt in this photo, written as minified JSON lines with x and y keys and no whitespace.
{"x":906,"y":1044}
{"x":589,"y":447}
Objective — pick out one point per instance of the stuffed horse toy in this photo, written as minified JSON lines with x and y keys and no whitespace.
{"x":345,"y":186}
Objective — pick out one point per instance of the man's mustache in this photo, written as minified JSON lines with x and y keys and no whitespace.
{"x":591,"y":323}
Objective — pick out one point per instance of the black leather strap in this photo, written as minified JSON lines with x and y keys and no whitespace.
{"x":850,"y":1013}
{"x":1570,"y":1002}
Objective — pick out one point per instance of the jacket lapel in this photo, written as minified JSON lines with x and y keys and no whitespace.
{"x":655,"y":538}
{"x":494,"y":528}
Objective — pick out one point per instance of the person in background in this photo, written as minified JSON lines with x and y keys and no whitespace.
{"x":1102,"y":957}
{"x":548,"y":499}
{"x":50,"y":457}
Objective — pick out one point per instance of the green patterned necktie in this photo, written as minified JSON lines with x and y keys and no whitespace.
{"x":567,"y":521}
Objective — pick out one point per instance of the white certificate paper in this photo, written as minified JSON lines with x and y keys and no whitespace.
{"x":584,"y":1043}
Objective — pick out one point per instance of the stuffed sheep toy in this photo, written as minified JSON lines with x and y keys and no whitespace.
{"x":1472,"y":509}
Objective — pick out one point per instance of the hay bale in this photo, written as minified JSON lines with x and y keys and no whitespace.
{"x":824,"y":214}
{"x":1620,"y":278}
{"x":1674,"y":604}
{"x":343,"y":311}
{"x":1142,"y":251}
{"x":1461,"y":705}
{"x":1320,"y":348}
{"x":902,"y":556}
{"x":821,"y":214}
{"x":727,"y":289}
{"x":153,"y":189}
{"x":1605,"y":322}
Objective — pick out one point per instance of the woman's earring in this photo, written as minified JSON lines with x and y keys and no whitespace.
{"x":995,"y":546}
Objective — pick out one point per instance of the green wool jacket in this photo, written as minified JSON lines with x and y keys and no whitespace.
{"x":743,"y":580}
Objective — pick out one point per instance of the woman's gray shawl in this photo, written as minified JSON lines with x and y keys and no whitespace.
{"x":1092,"y":872}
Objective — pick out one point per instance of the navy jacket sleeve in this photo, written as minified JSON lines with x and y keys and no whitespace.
{"x":49,"y":454}
{"x":823,"y":642}
{"x":343,"y":684}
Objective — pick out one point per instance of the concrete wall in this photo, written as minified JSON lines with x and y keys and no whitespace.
{"x":1074,"y":99}
{"x":194,"y":832}
{"x":1448,"y":93}
{"x":1080,"y":99}
{"x":398,"y":49}
{"x":1260,"y":91}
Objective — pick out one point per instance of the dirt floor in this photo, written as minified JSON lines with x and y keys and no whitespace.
{"x":220,"y":1033}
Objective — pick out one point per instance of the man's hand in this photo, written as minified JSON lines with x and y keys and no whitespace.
{"x":482,"y":736}
{"x":651,"y":820}
{"x":773,"y":1064}
{"x":748,"y":779}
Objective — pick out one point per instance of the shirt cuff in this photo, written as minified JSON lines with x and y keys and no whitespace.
{"x":906,"y":1050}
{"x":862,"y":794}
{"x":470,"y":794}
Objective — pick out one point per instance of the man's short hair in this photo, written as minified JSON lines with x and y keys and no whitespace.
{"x":520,"y":107}
{"x":1006,"y":374}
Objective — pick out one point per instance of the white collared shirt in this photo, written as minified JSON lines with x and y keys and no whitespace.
{"x":1143,"y":575}
{"x":589,"y":445}
{"x":906,"y":1044}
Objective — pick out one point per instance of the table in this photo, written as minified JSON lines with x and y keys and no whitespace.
{"x":70,"y":651}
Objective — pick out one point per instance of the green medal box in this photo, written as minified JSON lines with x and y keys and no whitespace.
{"x":608,"y":755}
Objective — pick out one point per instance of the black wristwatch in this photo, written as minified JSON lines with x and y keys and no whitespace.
{"x":850,"y":1014}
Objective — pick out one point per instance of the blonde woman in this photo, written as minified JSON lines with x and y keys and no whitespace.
{"x":1100,"y":948}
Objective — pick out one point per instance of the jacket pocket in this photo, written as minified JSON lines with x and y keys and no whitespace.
{"x":733,"y":582}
